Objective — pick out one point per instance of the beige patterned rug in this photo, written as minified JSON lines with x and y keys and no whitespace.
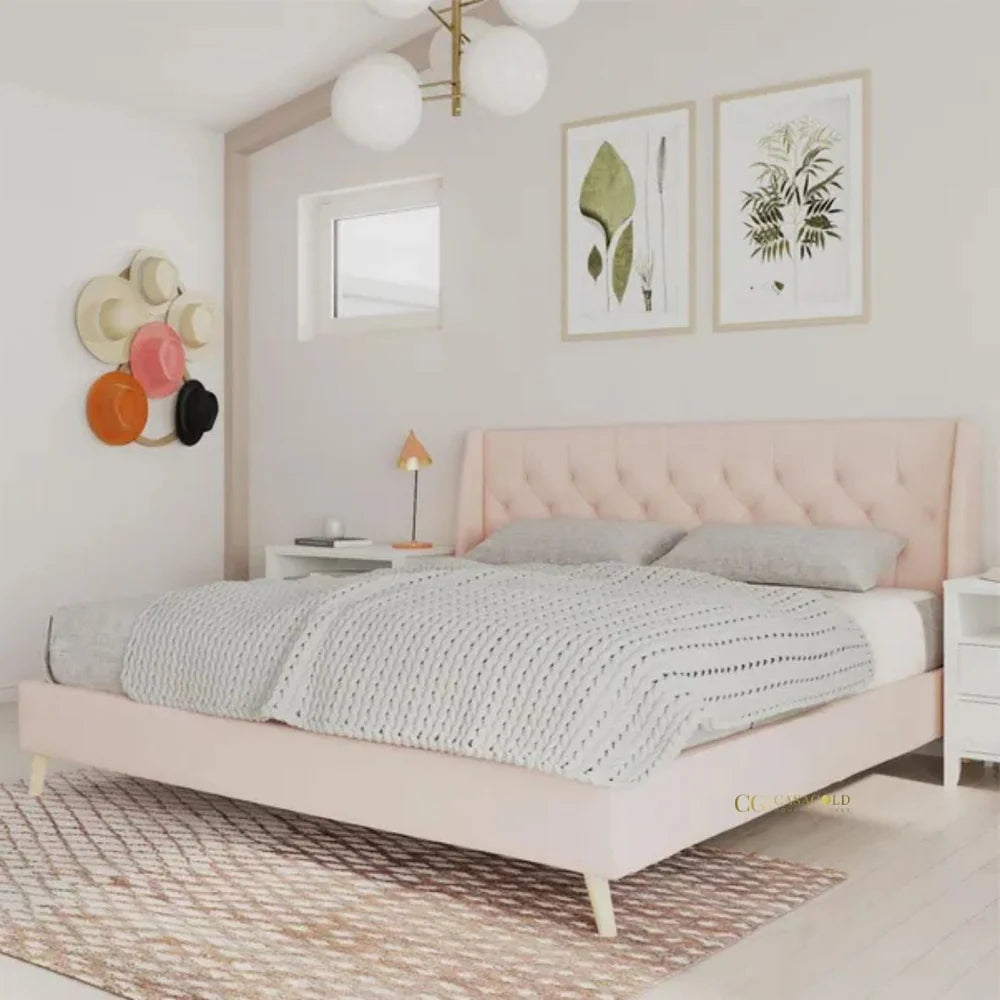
{"x":156,"y":893}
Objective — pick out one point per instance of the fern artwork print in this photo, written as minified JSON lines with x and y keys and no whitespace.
{"x":791,"y":205}
{"x":628,"y":224}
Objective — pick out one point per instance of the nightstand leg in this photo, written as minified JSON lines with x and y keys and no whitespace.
{"x":39,"y":767}
{"x":952,"y":770}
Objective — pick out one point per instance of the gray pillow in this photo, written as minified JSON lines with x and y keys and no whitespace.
{"x":834,"y":558}
{"x":573,"y":540}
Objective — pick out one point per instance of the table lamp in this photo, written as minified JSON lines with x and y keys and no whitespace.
{"x":413,"y":458}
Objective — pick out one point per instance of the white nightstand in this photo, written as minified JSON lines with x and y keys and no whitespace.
{"x":971,"y":673}
{"x":284,"y":561}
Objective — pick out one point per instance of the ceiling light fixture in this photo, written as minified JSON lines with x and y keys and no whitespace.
{"x":378,"y":102}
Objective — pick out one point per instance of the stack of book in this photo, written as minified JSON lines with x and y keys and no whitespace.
{"x":334,"y":543}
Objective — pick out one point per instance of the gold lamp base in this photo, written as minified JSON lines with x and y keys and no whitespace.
{"x":412,"y":545}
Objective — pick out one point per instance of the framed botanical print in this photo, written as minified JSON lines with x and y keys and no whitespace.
{"x":628,"y":222}
{"x":792,"y":205}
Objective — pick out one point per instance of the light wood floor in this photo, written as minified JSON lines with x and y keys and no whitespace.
{"x":917,"y":918}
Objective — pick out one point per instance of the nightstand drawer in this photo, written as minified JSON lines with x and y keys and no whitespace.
{"x":979,"y":727}
{"x":979,"y":670}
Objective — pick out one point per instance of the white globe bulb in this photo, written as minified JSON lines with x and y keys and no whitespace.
{"x":398,"y":8}
{"x":539,"y":14}
{"x":377,"y":103}
{"x":440,"y":55}
{"x":506,"y":71}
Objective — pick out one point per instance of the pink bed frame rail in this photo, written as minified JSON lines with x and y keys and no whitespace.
{"x":467,"y":802}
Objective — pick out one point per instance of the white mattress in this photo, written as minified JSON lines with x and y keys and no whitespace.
{"x":903,"y":627}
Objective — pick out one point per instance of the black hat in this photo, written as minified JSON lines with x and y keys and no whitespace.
{"x":197,"y":409}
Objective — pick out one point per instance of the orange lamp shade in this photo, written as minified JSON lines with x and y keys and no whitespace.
{"x":414,"y":455}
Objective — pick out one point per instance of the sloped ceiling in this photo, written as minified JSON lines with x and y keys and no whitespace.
{"x":214,"y":63}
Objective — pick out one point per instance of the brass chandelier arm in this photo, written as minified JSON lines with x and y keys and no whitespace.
{"x":457,"y":38}
{"x":456,"y":58}
{"x":446,"y":23}
{"x":464,"y":3}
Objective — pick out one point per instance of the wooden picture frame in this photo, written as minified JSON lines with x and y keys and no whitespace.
{"x":638,"y":278}
{"x":814,"y":274}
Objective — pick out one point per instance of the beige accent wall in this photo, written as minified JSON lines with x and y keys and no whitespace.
{"x":327,"y":417}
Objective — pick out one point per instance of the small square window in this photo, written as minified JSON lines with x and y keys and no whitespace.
{"x":387,"y":264}
{"x":370,"y":259}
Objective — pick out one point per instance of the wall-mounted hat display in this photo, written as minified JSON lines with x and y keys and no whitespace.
{"x":117,"y":408}
{"x":196,"y":319}
{"x":197,"y":411}
{"x":108,"y":312}
{"x":155,"y":278}
{"x":157,"y":359}
{"x":143,"y":322}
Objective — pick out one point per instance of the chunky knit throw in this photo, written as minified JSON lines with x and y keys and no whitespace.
{"x":594,"y":672}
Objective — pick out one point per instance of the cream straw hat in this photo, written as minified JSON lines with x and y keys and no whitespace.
{"x":155,"y":278}
{"x":108,"y":312}
{"x":196,"y":319}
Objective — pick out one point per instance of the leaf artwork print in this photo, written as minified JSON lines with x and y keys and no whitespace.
{"x":792,"y":211}
{"x":607,"y":197}
{"x":661,"y":176}
{"x":627,"y":221}
{"x":644,"y":264}
{"x":595,"y":263}
{"x":624,"y":253}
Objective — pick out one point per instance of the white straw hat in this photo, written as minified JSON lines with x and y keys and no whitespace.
{"x":155,"y":278}
{"x":196,"y":319}
{"x":108,"y":312}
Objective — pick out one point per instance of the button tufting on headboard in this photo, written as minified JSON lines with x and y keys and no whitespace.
{"x":918,"y":478}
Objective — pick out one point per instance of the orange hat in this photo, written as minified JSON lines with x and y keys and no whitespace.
{"x":117,"y":408}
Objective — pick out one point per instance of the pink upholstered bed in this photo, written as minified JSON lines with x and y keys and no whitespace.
{"x":919,"y":479}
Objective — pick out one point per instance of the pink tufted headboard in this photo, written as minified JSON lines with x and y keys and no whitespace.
{"x":918,"y":478}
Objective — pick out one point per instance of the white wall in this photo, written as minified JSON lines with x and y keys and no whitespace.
{"x":80,"y":189}
{"x":328,"y":415}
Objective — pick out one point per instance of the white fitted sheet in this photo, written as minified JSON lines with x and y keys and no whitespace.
{"x":904,"y":628}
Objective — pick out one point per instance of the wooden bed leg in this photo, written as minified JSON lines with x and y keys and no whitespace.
{"x":39,"y":766}
{"x":599,"y":891}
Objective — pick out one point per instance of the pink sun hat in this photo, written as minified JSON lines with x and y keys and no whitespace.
{"x":157,"y":360}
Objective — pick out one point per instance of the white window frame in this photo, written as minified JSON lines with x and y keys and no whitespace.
{"x":317,"y":214}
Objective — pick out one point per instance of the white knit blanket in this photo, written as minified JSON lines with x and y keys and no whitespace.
{"x":593,"y":672}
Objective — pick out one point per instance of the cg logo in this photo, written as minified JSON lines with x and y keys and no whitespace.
{"x":745,"y":803}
